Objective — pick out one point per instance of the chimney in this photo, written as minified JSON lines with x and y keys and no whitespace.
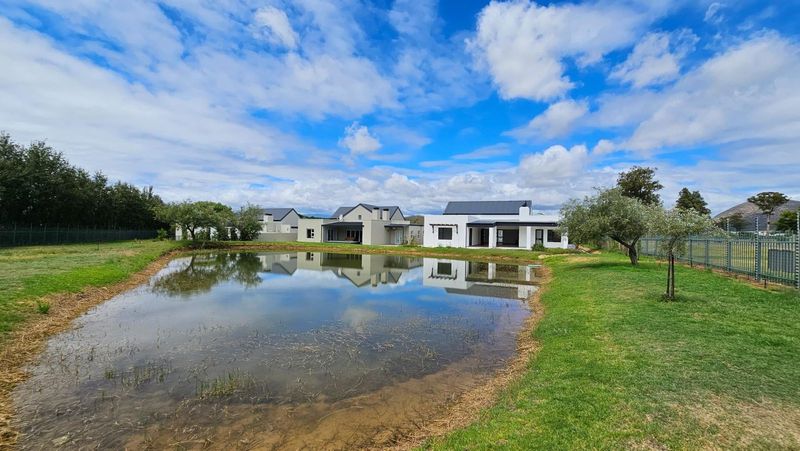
{"x":525,"y":210}
{"x":385,"y":214}
{"x":376,"y":213}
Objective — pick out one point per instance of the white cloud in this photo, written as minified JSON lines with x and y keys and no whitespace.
{"x":603,"y":147}
{"x":655,"y":59}
{"x":358,"y":140}
{"x":275,"y":25}
{"x":713,"y":15}
{"x":557,"y":120}
{"x":483,"y":153}
{"x":524,"y":46}
{"x":748,"y":94}
{"x":553,"y":165}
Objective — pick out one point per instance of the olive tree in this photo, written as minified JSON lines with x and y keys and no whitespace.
{"x":675,"y":226}
{"x":608,"y":214}
{"x":192,"y":216}
{"x":248,"y":222}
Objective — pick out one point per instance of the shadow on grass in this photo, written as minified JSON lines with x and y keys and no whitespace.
{"x":602,"y":264}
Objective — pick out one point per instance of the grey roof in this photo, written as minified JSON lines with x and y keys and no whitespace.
{"x":490,"y":207}
{"x":277,"y":213}
{"x":344,"y":210}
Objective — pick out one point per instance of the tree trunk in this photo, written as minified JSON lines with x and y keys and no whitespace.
{"x":633,"y":254}
{"x":670,"y":294}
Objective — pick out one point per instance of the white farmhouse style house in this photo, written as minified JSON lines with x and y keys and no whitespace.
{"x":492,"y":224}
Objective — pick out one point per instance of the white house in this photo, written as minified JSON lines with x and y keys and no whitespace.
{"x":362,"y":224}
{"x":478,"y":224}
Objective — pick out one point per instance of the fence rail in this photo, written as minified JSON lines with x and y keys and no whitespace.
{"x":774,"y":259}
{"x":11,"y":236}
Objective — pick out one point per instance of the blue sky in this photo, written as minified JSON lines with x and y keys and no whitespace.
{"x":315,"y":104}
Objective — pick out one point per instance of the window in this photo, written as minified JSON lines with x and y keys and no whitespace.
{"x":350,"y":234}
{"x":309,"y":233}
{"x":445,"y":233}
{"x":445,"y":269}
{"x":309,"y":257}
{"x":359,"y":217}
{"x":553,"y":236}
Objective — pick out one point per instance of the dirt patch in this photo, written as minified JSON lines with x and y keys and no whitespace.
{"x":728,"y":423}
{"x":25,"y":343}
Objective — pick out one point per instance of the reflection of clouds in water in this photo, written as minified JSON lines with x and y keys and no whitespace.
{"x":357,"y":317}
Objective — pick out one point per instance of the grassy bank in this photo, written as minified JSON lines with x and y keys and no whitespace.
{"x":618,"y":368}
{"x":27,"y":273}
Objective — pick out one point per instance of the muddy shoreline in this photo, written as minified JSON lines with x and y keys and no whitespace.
{"x":25,"y":344}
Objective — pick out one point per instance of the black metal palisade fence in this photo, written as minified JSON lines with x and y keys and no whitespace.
{"x":17,"y":235}
{"x":764,"y":258}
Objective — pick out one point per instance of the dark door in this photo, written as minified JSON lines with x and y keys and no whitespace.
{"x":539,"y":236}
{"x":484,"y":237}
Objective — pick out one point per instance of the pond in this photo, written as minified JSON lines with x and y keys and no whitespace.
{"x":275,"y":350}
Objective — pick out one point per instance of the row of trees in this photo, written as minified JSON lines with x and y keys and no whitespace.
{"x":632,"y":209}
{"x":39,"y":187}
{"x":206,"y":220}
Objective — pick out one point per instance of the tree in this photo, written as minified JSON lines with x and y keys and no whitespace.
{"x":787,"y":221}
{"x":608,"y":214}
{"x":767,"y":202}
{"x":248,"y":222}
{"x":676,"y":225}
{"x":640,"y":183}
{"x":196,"y":216}
{"x":736,"y":222}
{"x":692,"y":200}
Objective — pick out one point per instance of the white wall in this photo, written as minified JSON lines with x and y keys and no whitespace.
{"x":305,"y":223}
{"x":431,"y":230}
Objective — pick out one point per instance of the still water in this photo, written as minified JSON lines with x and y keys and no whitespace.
{"x":275,"y":350}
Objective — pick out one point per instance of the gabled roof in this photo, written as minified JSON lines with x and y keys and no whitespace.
{"x":277,"y":213}
{"x":490,"y":207}
{"x":341,"y":211}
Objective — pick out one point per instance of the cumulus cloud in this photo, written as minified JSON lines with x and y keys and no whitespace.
{"x":482,"y":153}
{"x":557,"y":120}
{"x":553,"y":165}
{"x":525,"y":46}
{"x":358,"y":140}
{"x":603,"y":147}
{"x":274,"y":24}
{"x":656,"y":59}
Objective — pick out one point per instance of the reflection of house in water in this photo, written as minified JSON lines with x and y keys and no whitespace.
{"x":361,"y":270}
{"x":279,"y":263}
{"x":481,"y":279}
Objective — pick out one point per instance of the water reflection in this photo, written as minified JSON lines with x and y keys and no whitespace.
{"x":327,"y":349}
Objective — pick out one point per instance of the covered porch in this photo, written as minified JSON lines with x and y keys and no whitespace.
{"x":496,"y":234}
{"x":343,"y":232}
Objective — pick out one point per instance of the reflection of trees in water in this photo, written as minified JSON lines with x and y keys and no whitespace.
{"x":203,"y":272}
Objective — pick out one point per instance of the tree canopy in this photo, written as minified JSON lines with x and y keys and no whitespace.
{"x":675,"y":226}
{"x":767,"y":202}
{"x":787,"y":222}
{"x":640,"y":183}
{"x":39,"y":187}
{"x":692,"y":200}
{"x":248,"y":222}
{"x":608,"y":214}
{"x":199,"y":216}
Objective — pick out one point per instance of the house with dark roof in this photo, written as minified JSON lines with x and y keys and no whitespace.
{"x":361,"y":224}
{"x":278,"y":224}
{"x":507,"y":223}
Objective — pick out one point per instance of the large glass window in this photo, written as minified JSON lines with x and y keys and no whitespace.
{"x":553,"y":236}
{"x":444,"y":269}
{"x":445,"y":233}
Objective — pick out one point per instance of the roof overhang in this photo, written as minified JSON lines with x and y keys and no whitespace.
{"x":512,"y":223}
{"x":344,"y":224}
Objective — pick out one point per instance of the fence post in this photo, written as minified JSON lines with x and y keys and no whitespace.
{"x":797,"y":252}
{"x":691,"y":257}
{"x":707,"y":256}
{"x":758,"y":253}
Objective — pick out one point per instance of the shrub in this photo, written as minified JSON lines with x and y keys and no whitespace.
{"x":43,"y":307}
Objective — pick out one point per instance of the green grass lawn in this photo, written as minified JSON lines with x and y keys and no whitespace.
{"x":30,"y":272}
{"x":619,"y":368}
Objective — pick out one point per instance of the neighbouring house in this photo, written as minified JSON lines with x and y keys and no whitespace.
{"x":479,"y":224}
{"x":362,"y":224}
{"x":279,"y":224}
